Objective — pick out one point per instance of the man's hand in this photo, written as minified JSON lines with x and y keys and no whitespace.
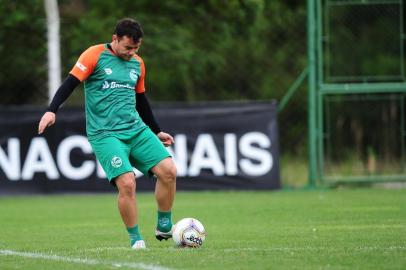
{"x":165,"y":138}
{"x":48,"y":119}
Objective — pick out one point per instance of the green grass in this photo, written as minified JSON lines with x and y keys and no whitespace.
{"x":322,"y":229}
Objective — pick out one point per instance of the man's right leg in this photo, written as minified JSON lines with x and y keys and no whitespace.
{"x":112,"y":153}
{"x":127,"y":206}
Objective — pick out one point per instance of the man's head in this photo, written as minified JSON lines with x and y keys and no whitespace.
{"x":127,"y":38}
{"x":130,"y":28}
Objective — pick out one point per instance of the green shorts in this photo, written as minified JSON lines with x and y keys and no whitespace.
{"x":119,"y":153}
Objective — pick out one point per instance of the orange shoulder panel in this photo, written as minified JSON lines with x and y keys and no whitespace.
{"x":87,"y":62}
{"x":140,"y":87}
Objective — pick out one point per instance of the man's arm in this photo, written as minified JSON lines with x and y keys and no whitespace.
{"x":63,"y":92}
{"x":145,"y":112}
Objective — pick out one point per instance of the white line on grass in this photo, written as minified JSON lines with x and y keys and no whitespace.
{"x":42,"y":256}
{"x":100,"y":249}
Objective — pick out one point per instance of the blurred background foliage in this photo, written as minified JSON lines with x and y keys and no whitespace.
{"x":200,"y":50}
{"x":194,"y":50}
{"x":23,"y":75}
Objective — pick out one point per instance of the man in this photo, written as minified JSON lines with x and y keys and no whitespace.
{"x":120,"y":125}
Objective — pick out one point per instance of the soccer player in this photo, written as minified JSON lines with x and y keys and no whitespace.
{"x":120,"y":125}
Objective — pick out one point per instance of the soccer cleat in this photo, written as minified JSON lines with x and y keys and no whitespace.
{"x":140,"y":244}
{"x":163,"y":235}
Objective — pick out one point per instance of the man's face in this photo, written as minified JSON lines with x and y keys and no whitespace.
{"x":125,"y":47}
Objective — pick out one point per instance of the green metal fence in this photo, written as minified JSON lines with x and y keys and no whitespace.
{"x":357,"y":88}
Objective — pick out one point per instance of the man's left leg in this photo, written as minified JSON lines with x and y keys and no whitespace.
{"x":165,"y":190}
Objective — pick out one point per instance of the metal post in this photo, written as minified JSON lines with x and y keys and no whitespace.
{"x":54,"y":58}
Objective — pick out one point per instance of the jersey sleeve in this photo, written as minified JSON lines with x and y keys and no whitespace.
{"x":87,"y":62}
{"x":140,"y":86}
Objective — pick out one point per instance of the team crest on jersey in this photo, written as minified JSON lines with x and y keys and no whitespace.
{"x":133,"y":74}
{"x":116,"y":162}
{"x":108,"y":71}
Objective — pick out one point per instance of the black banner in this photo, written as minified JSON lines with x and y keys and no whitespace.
{"x":217,"y":146}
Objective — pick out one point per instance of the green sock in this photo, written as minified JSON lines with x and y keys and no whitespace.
{"x":164,"y":221}
{"x":134,"y":234}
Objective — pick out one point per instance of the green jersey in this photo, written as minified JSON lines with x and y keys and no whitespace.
{"x":110,"y":85}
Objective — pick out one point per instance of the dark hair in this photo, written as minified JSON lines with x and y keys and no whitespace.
{"x":130,"y":28}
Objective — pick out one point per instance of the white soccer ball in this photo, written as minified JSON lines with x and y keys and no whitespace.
{"x":188,"y":232}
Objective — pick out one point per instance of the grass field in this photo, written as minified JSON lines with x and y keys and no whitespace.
{"x":321,"y":229}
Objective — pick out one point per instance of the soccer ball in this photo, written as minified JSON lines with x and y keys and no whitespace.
{"x":188,"y":232}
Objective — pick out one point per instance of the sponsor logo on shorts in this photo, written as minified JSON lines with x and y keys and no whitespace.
{"x":133,"y":75}
{"x":116,"y":162}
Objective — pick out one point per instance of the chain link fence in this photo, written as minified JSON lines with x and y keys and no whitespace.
{"x":362,"y":87}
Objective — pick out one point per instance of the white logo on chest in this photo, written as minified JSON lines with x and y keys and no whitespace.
{"x":108,"y":71}
{"x":133,"y":75}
